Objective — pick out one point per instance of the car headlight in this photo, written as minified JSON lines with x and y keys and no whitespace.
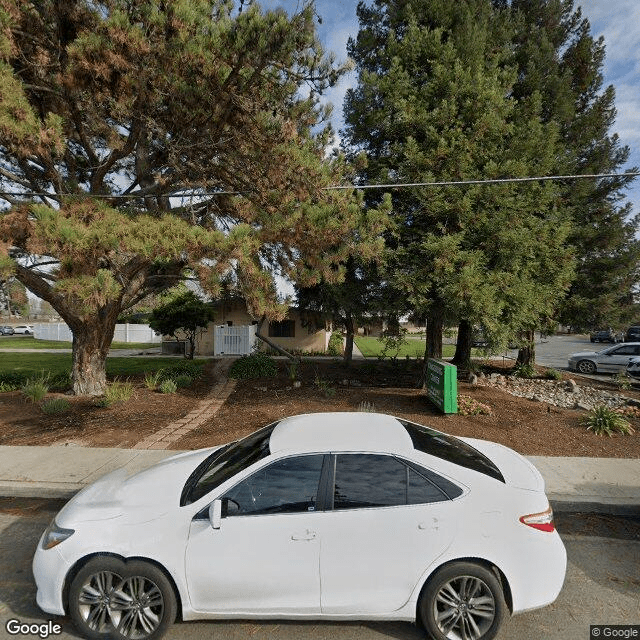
{"x":54,"y":535}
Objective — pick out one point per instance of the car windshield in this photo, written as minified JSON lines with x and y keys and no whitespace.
{"x":450,"y":449}
{"x":224,"y":463}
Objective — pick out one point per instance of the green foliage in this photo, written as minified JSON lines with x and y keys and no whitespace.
{"x":393,"y":342}
{"x":152,"y":379}
{"x":117,"y":391}
{"x":603,"y":420}
{"x":468,"y":406}
{"x":622,"y":381}
{"x":184,"y":314}
{"x":256,"y":365}
{"x":553,"y":374}
{"x":36,"y":388}
{"x":324,"y":386}
{"x":334,"y":347}
{"x":55,"y":405}
{"x":192,"y":369}
{"x":168,"y":386}
{"x":183,"y":381}
{"x":292,"y":370}
{"x":12,"y":380}
{"x":524,"y":371}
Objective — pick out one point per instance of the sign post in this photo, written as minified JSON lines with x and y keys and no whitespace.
{"x":442,"y":385}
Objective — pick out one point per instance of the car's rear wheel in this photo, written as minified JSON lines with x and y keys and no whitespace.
{"x":462,"y":601}
{"x":586,"y":366}
{"x":129,"y":600}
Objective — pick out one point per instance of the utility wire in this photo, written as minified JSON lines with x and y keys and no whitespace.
{"x":400,"y":185}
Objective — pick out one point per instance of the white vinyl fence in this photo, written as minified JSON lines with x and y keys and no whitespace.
{"x":237,"y":341}
{"x":123,"y":333}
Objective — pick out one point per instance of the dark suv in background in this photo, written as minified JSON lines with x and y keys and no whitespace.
{"x":606,"y":335}
{"x":632,"y":335}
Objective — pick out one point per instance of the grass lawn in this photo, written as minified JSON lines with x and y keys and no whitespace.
{"x":29,"y":342}
{"x":61,"y":363}
{"x":372,"y":348}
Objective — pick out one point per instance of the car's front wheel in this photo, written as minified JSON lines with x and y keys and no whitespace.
{"x":462,"y":601}
{"x":586,"y":366}
{"x":130,"y":600}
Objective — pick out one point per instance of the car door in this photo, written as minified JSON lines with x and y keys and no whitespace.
{"x":387,"y":525}
{"x":265,"y":555}
{"x":617,"y":359}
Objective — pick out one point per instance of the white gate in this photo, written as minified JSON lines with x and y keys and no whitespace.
{"x":236,"y":341}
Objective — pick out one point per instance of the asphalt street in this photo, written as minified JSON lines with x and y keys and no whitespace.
{"x":602,"y":587}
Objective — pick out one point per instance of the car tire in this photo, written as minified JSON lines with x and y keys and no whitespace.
{"x":110,"y":598}
{"x":452,"y":594}
{"x":586,"y":366}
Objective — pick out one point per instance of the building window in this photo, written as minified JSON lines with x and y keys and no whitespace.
{"x":282,"y":329}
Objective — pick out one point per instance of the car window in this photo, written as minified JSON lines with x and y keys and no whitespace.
{"x":286,"y":486}
{"x":628,"y":350}
{"x":450,"y":449}
{"x":375,"y":480}
{"x":225,"y":463}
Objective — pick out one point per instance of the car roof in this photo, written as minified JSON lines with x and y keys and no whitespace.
{"x":340,"y":431}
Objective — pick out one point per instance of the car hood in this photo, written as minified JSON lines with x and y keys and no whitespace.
{"x":516,"y":469}
{"x":583,"y":354}
{"x":137,"y":497}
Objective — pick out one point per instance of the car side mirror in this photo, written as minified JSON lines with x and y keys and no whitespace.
{"x":215,"y":514}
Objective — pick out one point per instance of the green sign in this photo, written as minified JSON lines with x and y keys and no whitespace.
{"x":442,"y":385}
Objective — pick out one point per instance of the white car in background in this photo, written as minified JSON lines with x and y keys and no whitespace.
{"x":336,"y":516}
{"x":610,"y":360}
{"x":26,"y":329}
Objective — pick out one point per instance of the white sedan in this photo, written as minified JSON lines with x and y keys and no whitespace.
{"x":610,"y":360}
{"x":334,"y":516}
{"x":26,"y":329}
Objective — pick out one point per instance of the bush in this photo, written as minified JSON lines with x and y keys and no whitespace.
{"x":192,"y":369}
{"x":168,"y":386}
{"x":335,"y":346}
{"x":553,"y":374}
{"x":604,"y":420}
{"x":622,"y":381}
{"x":324,"y":386}
{"x":257,"y":365}
{"x":524,"y":371}
{"x":183,"y":381}
{"x":60,"y":381}
{"x":117,"y":391}
{"x":468,"y":406}
{"x":55,"y":405}
{"x":152,"y":379}
{"x":36,"y":388}
{"x":12,"y":380}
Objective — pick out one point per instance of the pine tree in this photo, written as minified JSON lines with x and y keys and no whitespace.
{"x":147,"y":98}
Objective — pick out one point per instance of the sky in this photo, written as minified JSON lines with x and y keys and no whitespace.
{"x":617,"y":20}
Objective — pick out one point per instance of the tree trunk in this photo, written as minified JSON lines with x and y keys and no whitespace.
{"x":91,"y":343}
{"x":527,"y":354}
{"x":348,"y":347}
{"x":462,"y":356}
{"x":435,"y":323}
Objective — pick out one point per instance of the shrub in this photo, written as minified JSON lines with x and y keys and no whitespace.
{"x":55,"y":405}
{"x":604,"y":420}
{"x":192,"y":369}
{"x":256,"y":365}
{"x":468,"y":406}
{"x":622,"y":381}
{"x":36,"y":388}
{"x":524,"y":371}
{"x":12,"y":380}
{"x":553,"y":374}
{"x":152,"y":379}
{"x":292,"y":370}
{"x":168,"y":386}
{"x":117,"y":391}
{"x":335,"y":348}
{"x":183,"y":381}
{"x":60,"y":381}
{"x":324,"y":387}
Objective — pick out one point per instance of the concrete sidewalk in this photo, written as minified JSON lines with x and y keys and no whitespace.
{"x":604,"y":485}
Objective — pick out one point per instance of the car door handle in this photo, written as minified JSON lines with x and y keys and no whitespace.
{"x":306,"y":535}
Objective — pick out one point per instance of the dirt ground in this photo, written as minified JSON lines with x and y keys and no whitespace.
{"x":533,"y":428}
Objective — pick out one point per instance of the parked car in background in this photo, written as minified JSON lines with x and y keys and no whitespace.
{"x":6,"y":330}
{"x":327,"y":515}
{"x":610,"y":360}
{"x":26,"y":329}
{"x":632,"y":334}
{"x":605,"y":335}
{"x":633,"y":368}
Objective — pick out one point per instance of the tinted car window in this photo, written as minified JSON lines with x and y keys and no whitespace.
{"x":225,"y":463}
{"x":629,"y":350}
{"x":450,"y":449}
{"x":372,"y":480}
{"x":286,"y":486}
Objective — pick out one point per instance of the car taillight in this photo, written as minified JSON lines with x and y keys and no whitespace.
{"x":542,"y":521}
